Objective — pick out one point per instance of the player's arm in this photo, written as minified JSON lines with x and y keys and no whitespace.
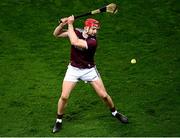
{"x":74,"y":40}
{"x":59,"y":30}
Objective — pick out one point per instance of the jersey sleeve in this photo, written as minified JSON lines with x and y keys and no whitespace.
{"x":77,"y":32}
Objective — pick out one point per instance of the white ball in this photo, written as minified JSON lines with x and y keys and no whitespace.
{"x":133,"y":61}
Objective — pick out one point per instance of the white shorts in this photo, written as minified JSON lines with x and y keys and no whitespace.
{"x":75,"y":74}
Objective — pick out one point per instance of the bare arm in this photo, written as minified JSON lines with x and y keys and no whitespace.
{"x":74,"y":40}
{"x":59,"y":31}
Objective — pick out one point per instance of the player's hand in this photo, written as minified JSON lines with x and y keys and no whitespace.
{"x":64,"y":21}
{"x":71,"y":19}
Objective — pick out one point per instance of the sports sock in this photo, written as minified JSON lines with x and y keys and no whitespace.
{"x":113,"y":111}
{"x":59,"y":118}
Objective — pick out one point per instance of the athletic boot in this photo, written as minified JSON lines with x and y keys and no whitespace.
{"x":57,"y":127}
{"x":121,"y":118}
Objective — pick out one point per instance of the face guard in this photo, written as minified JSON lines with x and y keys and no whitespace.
{"x":92,"y":23}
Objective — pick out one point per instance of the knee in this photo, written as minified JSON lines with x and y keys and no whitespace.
{"x":64,"y":98}
{"x":105,"y":97}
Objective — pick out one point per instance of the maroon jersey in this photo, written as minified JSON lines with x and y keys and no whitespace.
{"x":81,"y":57}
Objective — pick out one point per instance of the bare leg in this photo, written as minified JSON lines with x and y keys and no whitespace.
{"x":67,"y":87}
{"x":101,"y":91}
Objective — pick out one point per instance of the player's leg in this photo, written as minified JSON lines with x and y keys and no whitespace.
{"x":101,"y":91}
{"x":67,"y":87}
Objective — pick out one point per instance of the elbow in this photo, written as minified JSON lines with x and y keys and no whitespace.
{"x":74,"y":42}
{"x":55,"y":34}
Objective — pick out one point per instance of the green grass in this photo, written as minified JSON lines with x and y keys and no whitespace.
{"x":33,"y":64}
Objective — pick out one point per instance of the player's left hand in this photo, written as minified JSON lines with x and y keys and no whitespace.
{"x":64,"y":21}
{"x":71,"y":19}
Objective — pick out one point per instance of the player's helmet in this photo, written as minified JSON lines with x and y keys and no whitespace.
{"x":90,"y":22}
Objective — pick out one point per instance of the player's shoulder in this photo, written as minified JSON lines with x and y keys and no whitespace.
{"x":91,"y":41}
{"x":92,"y":38}
{"x":80,"y":30}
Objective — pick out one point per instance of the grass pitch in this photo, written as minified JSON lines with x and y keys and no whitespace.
{"x":33,"y":64}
